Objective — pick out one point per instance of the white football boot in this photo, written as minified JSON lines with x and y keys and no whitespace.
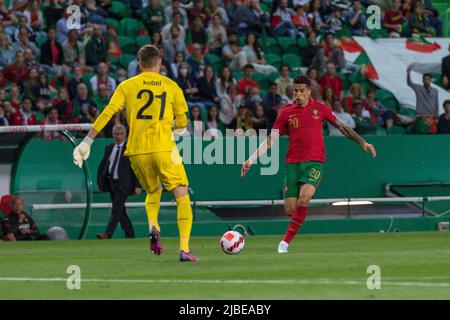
{"x":283,"y":247}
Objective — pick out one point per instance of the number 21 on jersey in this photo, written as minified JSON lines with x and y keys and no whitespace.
{"x":146,"y":93}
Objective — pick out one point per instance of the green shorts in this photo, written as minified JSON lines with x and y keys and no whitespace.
{"x":302,"y":172}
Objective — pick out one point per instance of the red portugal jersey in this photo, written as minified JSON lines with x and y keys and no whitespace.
{"x":303,"y":125}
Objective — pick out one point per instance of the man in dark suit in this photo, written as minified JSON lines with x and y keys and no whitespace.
{"x":116,"y":177}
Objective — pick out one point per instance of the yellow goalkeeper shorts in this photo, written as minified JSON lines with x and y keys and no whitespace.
{"x":165,"y":168}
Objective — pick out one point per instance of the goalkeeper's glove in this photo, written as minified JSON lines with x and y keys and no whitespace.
{"x":82,"y":151}
{"x":179,"y":131}
{"x":180,"y":124}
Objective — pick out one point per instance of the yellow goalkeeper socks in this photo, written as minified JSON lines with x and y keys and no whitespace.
{"x":152,"y":202}
{"x":184,"y":219}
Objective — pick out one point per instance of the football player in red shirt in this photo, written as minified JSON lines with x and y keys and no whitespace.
{"x":302,"y":121}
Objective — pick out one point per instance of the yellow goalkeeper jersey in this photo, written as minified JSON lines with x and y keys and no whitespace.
{"x":151,"y":101}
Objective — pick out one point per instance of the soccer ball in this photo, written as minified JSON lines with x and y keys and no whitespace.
{"x":57,"y":233}
{"x":232,"y":242}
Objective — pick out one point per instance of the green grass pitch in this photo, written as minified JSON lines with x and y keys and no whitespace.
{"x":413,"y":265}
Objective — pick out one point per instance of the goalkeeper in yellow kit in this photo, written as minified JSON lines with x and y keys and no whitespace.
{"x":152,"y":103}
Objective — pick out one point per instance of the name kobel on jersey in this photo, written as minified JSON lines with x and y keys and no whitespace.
{"x":152,"y":83}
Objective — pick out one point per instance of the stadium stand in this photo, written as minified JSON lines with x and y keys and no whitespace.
{"x":124,"y":26}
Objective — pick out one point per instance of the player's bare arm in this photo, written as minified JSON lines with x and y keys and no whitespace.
{"x":352,"y":135}
{"x":262,"y":149}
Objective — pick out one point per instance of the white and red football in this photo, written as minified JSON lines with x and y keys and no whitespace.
{"x":232,"y":242}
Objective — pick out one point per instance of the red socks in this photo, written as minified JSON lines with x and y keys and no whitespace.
{"x":296,"y":222}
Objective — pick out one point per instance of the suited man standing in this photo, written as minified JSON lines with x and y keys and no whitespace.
{"x":116,"y":177}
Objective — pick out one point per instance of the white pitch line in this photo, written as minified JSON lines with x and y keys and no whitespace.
{"x":220,"y":282}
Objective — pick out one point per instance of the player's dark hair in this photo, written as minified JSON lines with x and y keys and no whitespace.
{"x":248,"y":66}
{"x":302,"y":80}
{"x":446,"y":102}
{"x":148,"y":55}
{"x":427,"y":75}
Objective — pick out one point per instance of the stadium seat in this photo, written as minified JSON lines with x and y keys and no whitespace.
{"x":262,"y":80}
{"x":216,"y":62}
{"x":113,"y":59}
{"x":241,"y":41}
{"x":126,"y":59}
{"x":213,"y":58}
{"x":446,"y":20}
{"x":302,"y":42}
{"x":267,"y":41}
{"x":441,"y":7}
{"x":237,"y":75}
{"x":396,"y":130}
{"x":87,"y":77}
{"x":273,"y":76}
{"x":40,"y":40}
{"x":204,"y":115}
{"x":142,"y":40}
{"x":264,"y":7}
{"x":114,"y":23}
{"x":271,"y":46}
{"x":128,"y":44}
{"x":274,"y":60}
{"x":288,"y":45}
{"x":131,"y":27}
{"x":292,"y":60}
{"x":120,"y":9}
{"x":86,"y":80}
{"x":295,"y":73}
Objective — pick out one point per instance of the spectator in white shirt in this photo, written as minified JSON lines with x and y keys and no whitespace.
{"x":176,"y":7}
{"x":229,"y":105}
{"x":342,"y":116}
{"x":224,"y":81}
{"x":217,"y":36}
{"x":176,"y":21}
{"x":102,"y":76}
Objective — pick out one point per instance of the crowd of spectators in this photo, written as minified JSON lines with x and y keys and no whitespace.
{"x":51,"y":74}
